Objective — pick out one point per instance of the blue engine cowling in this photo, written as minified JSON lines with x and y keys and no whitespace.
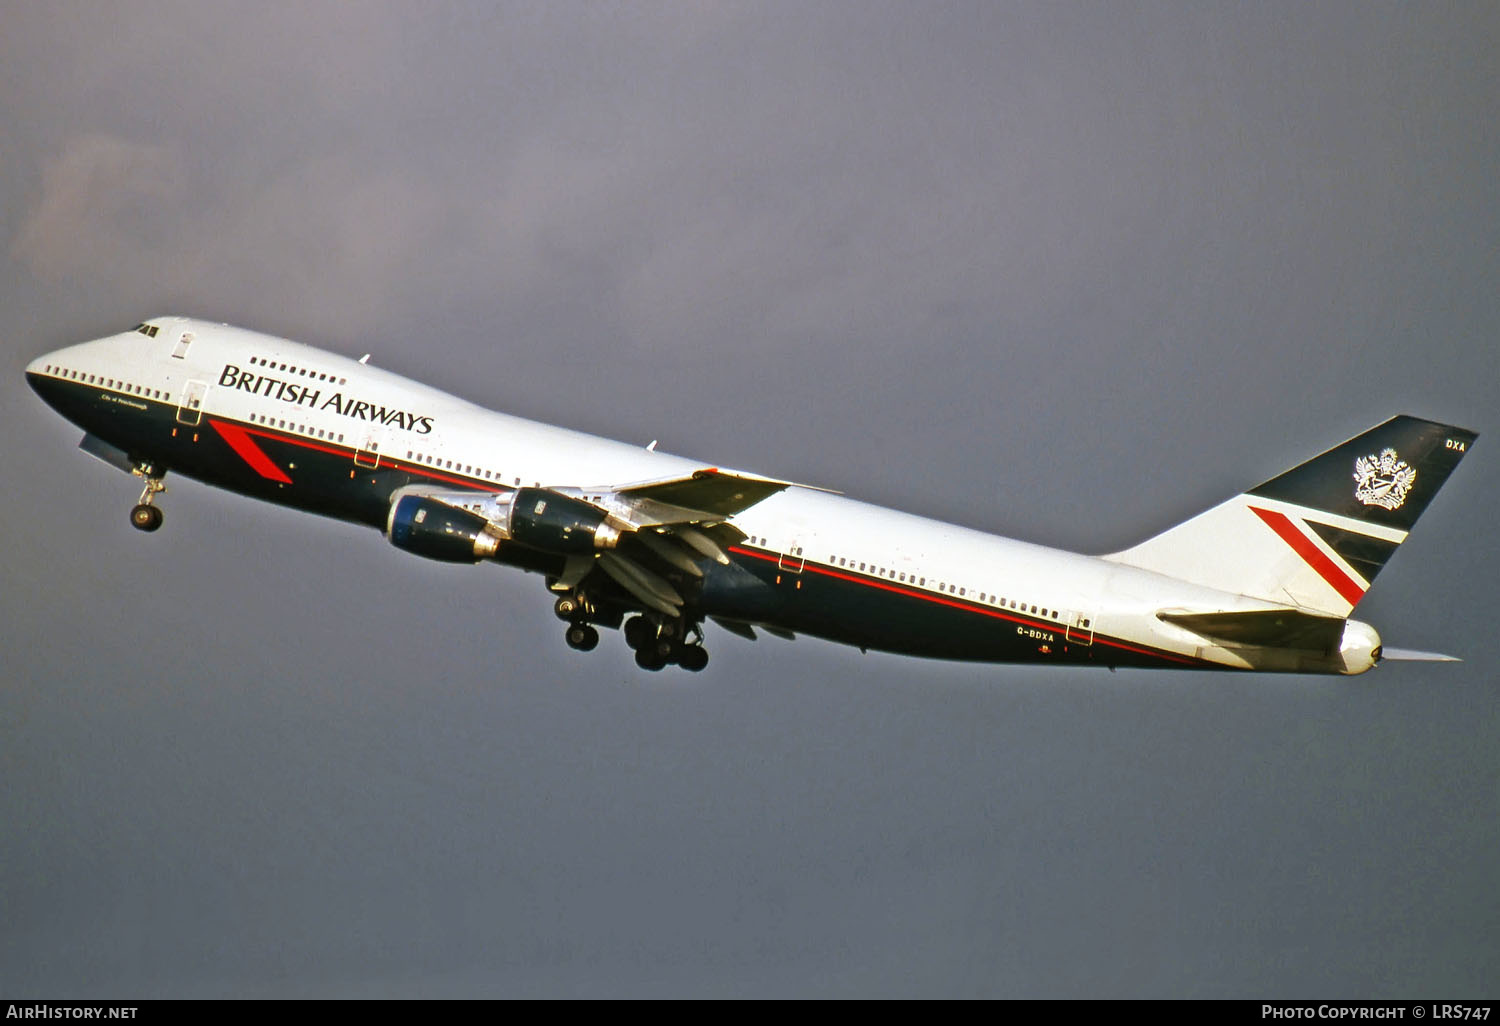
{"x":543,"y":519}
{"x":436,"y":530}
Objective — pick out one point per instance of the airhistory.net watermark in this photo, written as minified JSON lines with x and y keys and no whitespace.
{"x":53,"y":1010}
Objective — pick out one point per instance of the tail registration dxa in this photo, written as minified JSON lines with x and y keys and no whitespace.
{"x":655,"y":545}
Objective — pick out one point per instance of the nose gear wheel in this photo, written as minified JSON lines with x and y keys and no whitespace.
{"x":146,"y":515}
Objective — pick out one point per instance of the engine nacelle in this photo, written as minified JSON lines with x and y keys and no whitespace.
{"x":1359,"y":649}
{"x":434,"y":529}
{"x":552,"y":522}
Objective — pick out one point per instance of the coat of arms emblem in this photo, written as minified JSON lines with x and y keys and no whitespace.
{"x":1383,"y":480}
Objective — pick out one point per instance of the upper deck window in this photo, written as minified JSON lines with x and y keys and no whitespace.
{"x":149,"y":330}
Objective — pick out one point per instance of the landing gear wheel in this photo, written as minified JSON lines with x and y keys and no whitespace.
{"x":692,"y":657}
{"x":582,"y":637}
{"x":639,"y":632}
{"x":650,"y":658}
{"x":565,"y":607}
{"x":145,"y":518}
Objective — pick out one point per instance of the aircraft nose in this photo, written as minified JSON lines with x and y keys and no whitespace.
{"x":35,"y":371}
{"x":42,"y":376}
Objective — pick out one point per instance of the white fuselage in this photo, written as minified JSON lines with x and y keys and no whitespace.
{"x":224,"y":376}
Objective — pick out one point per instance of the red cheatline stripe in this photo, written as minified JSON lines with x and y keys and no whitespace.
{"x":248,"y":451}
{"x":1304,"y":547}
{"x":386,"y":463}
{"x":1099,"y":639}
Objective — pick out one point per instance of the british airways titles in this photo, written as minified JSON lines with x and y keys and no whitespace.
{"x":301,"y":395}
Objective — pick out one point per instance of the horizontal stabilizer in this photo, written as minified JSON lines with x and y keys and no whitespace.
{"x":1275,"y":628}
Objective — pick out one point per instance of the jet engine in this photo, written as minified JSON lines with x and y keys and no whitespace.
{"x":540,"y":518}
{"x":434,"y":529}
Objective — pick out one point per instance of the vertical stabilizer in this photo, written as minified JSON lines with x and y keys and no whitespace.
{"x":1316,"y":536}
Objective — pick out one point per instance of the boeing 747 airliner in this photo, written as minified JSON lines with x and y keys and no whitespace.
{"x":634,"y":539}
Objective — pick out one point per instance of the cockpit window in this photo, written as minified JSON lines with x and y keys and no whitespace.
{"x":149,"y":330}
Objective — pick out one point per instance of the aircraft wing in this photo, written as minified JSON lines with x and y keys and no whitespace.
{"x":704,"y":495}
{"x":666,"y":525}
{"x":657,"y":530}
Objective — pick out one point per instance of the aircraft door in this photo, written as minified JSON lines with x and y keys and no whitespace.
{"x":791,"y":560}
{"x":1079,"y":629}
{"x":190,"y":407}
{"x":367,"y":456}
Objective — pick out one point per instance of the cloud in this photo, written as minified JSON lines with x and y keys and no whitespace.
{"x":102,"y":205}
{"x":145,"y":223}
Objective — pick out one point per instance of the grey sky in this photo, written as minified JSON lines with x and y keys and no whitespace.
{"x":1069,"y":272}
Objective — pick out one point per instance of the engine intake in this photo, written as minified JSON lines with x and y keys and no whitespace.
{"x":434,"y":529}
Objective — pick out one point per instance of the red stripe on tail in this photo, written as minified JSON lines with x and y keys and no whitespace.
{"x":1315,"y":557}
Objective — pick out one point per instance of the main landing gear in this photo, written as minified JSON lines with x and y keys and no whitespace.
{"x":658,"y":643}
{"x":147,"y":516}
{"x":581,"y":635}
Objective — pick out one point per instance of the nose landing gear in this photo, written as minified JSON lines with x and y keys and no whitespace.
{"x":147,"y":516}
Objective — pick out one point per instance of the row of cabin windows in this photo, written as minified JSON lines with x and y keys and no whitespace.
{"x":275,"y":422}
{"x":753,"y":540}
{"x":292,"y":425}
{"x":880,"y":571}
{"x":951,"y":589}
{"x":921,"y":582}
{"x":99,"y":379}
{"x":465,"y":468}
{"x":332,"y":436}
{"x":293,"y":369}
